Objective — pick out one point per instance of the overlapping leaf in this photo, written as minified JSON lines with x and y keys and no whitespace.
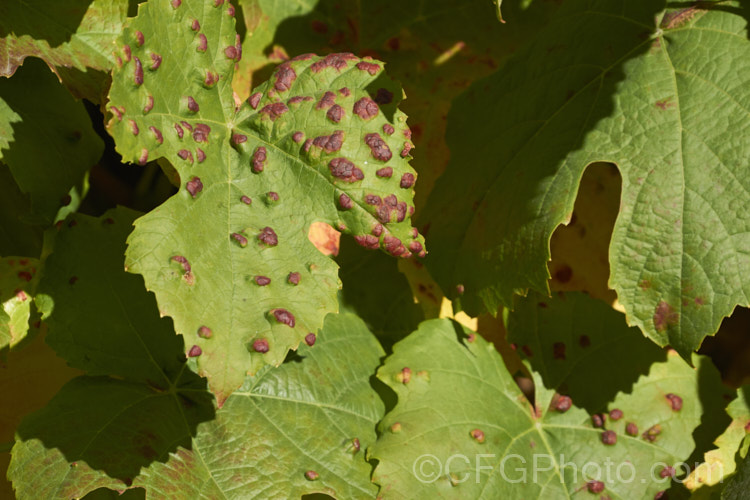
{"x":18,"y":282}
{"x":48,"y":141}
{"x":657,"y":100}
{"x":720,"y":462}
{"x":230,"y":251}
{"x":459,"y":401}
{"x":71,"y":36}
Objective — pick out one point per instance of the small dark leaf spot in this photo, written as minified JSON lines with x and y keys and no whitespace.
{"x":371,"y":68}
{"x":298,"y":137}
{"x":149,"y":104}
{"x":139,"y":38}
{"x":210,"y":80}
{"x":597,"y":420}
{"x":155,"y":61}
{"x":675,"y":401}
{"x":230,"y":52}
{"x":310,"y":339}
{"x":230,"y":10}
{"x":460,"y":289}
{"x":24,"y":275}
{"x":378,"y":147}
{"x":195,"y":351}
{"x":527,"y":351}
{"x":293,"y":278}
{"x":584,"y":341}
{"x":284,"y":316}
{"x":192,"y":105}
{"x":285,"y":76}
{"x":415,"y":247}
{"x":268,"y":237}
{"x":262,"y":280}
{"x":133,"y":127}
{"x":631,"y":429}
{"x":564,"y":274}
{"x":300,"y":98}
{"x":561,"y":403}
{"x":367,"y":241}
{"x":185,"y":155}
{"x":157,"y":134}
{"x":194,"y":186}
{"x":373,"y":199}
{"x":183,"y":261}
{"x":330,"y":143}
{"x":205,"y":332}
{"x":143,"y":159}
{"x":388,"y":129}
{"x":328,"y":100}
{"x":246,"y":200}
{"x":377,"y":230}
{"x":254,"y":99}
{"x":407,"y":180}
{"x":471,"y":338}
{"x":138,"y":72}
{"x":311,"y":475}
{"x":259,"y":159}
{"x":384,"y":96}
{"x":240,"y":239}
{"x":335,"y":114}
{"x":64,"y":201}
{"x":393,"y":245}
{"x":385,"y":172}
{"x":345,"y":202}
{"x":407,"y":147}
{"x":196,"y":25}
{"x":615,"y":414}
{"x":366,"y":108}
{"x":345,"y":170}
{"x":609,"y":437}
{"x":200,"y":134}
{"x":665,"y":316}
{"x":239,"y":138}
{"x":200,"y":154}
{"x":336,"y":61}
{"x":595,"y":486}
{"x":274,"y":110}
{"x":272,"y":196}
{"x":260,"y":345}
{"x":345,"y":92}
{"x":558,"y":350}
{"x":176,"y":3}
{"x":126,"y":52}
{"x":667,"y":472}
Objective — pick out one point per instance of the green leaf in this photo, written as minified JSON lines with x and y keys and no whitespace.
{"x":303,"y":416}
{"x":738,"y":487}
{"x":250,"y":189}
{"x":635,"y":94}
{"x":720,"y":462}
{"x":83,"y":294}
{"x":68,"y":36}
{"x":52,"y":143}
{"x":569,"y":339}
{"x":458,"y":387}
{"x":18,"y":283}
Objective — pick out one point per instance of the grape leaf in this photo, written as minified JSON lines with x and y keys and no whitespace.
{"x":52,"y":143}
{"x":300,"y":429}
{"x":720,"y":462}
{"x":738,"y":487}
{"x":18,"y":282}
{"x":635,"y":93}
{"x":230,"y":251}
{"x":78,"y":305}
{"x":69,"y":36}
{"x":568,"y":337}
{"x":459,"y":401}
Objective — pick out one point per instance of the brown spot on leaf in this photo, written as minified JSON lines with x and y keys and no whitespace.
{"x":335,"y":114}
{"x":260,"y":345}
{"x":328,"y":100}
{"x":268,"y":236}
{"x":665,"y":316}
{"x":384,"y":96}
{"x":138,"y":72}
{"x":330,"y":143}
{"x":262,"y":280}
{"x":345,"y":170}
{"x":285,"y":76}
{"x":371,"y":68}
{"x":385,"y":172}
{"x":563,"y":274}
{"x":149,"y":104}
{"x":378,"y":147}
{"x":155,"y":61}
{"x":336,"y":61}
{"x":157,"y":134}
{"x":558,"y":350}
{"x":367,"y":241}
{"x":366,"y":108}
{"x":284,"y":316}
{"x":254,"y":99}
{"x":200,"y":134}
{"x":407,"y":180}
{"x":274,"y":110}
{"x":345,"y":202}
{"x":194,"y":186}
{"x":259,"y":159}
{"x":202,"y":43}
